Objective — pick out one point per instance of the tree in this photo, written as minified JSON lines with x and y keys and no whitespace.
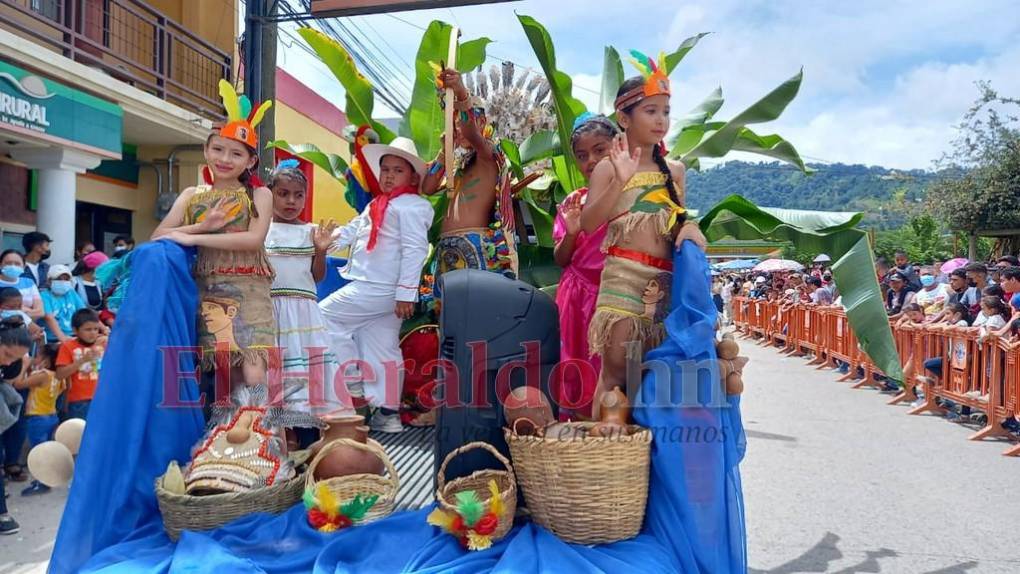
{"x":982,"y":184}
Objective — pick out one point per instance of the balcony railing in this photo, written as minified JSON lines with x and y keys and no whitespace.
{"x":130,"y":41}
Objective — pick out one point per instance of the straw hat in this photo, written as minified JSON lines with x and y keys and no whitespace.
{"x":400,"y":147}
{"x":51,"y":463}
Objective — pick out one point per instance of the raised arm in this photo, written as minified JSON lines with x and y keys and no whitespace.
{"x":322,"y":238}
{"x":607,"y":182}
{"x":462,"y":104}
{"x":567,"y":225}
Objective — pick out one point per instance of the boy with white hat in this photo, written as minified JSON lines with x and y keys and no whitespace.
{"x":389,"y":245}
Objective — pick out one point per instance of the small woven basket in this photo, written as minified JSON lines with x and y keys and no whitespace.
{"x":345,"y":488}
{"x":186,"y":512}
{"x":588,"y":490}
{"x":478,"y":481}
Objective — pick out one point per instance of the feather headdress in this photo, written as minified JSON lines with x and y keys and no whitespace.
{"x":241,"y":118}
{"x":656,"y":80}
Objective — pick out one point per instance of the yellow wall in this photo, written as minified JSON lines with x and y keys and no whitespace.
{"x":328,"y":196}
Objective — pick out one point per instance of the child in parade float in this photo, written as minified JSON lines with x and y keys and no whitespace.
{"x":580,"y":254}
{"x":640,"y":195}
{"x":389,"y":245}
{"x":478,"y":228}
{"x":297,"y":251}
{"x":228,"y":219}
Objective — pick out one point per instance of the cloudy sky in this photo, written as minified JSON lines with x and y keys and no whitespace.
{"x":884,"y":82}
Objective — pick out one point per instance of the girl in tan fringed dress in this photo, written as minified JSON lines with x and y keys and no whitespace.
{"x":227,"y":219}
{"x":640,"y":194}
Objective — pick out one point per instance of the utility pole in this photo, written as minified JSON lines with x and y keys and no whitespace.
{"x":260,"y":34}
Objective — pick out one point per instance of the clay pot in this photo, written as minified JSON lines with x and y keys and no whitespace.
{"x":530,"y":403}
{"x":727,"y":349}
{"x":564,"y":431}
{"x":614,"y":409}
{"x":345,"y":460}
{"x":524,"y":426}
{"x":734,"y":384}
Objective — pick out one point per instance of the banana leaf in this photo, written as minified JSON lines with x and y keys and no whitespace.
{"x":834,"y":233}
{"x":686,"y":46}
{"x":333,"y":164}
{"x":538,"y":266}
{"x":540,"y":145}
{"x":360,"y":99}
{"x":513,"y":157}
{"x":424,"y":120}
{"x":612,"y":78}
{"x":567,"y":106}
{"x":725,"y":138}
{"x":772,"y":146}
{"x":541,"y":218}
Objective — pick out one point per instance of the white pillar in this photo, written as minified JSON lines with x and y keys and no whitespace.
{"x":58,"y":180}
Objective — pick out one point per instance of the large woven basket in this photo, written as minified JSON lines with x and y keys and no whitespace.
{"x":186,"y":512}
{"x":586,"y":490}
{"x":478,"y":481}
{"x":345,"y":488}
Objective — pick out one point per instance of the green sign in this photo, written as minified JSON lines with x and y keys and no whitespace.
{"x":44,"y":109}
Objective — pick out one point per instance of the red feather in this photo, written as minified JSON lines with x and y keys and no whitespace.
{"x":207,"y":175}
{"x":366,"y":170}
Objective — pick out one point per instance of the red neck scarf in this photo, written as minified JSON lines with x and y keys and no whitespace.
{"x":377,"y":210}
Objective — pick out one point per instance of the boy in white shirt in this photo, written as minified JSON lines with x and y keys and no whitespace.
{"x":389,"y":245}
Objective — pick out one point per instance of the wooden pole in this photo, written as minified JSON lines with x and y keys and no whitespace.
{"x":451,"y":63}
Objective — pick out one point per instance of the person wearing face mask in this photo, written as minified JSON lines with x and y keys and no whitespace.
{"x":122,"y":244}
{"x":37,"y":251}
{"x":977,"y":280}
{"x":60,"y":301}
{"x":12,"y":268}
{"x":933,"y":295}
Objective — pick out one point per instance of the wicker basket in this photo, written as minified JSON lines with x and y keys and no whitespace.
{"x":347,"y":487}
{"x":478,"y":481}
{"x":186,"y":512}
{"x":588,"y":490}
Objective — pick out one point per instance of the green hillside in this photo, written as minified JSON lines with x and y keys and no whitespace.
{"x":887,"y":196}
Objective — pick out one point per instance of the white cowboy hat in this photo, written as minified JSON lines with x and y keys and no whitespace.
{"x":400,"y":147}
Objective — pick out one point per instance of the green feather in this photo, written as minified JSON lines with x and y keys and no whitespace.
{"x":245,"y":107}
{"x":309,"y":499}
{"x":469,"y":507}
{"x":641,"y":62}
{"x":357,"y":508}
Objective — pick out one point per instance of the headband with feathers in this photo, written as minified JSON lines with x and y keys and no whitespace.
{"x":241,"y":118}
{"x":656,"y":80}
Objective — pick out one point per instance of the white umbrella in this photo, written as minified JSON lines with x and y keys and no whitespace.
{"x":823,"y":258}
{"x":774,"y":265}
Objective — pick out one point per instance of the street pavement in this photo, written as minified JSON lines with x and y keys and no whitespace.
{"x":834,"y":481}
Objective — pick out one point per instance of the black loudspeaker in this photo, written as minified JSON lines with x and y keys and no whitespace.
{"x":489,"y":322}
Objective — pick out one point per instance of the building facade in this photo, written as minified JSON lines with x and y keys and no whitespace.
{"x":104,"y":106}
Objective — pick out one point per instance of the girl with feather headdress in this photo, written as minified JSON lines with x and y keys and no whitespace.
{"x":227,"y":219}
{"x":639,"y":195}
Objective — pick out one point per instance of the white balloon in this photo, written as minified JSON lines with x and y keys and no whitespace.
{"x":69,"y":434}
{"x":51,"y":463}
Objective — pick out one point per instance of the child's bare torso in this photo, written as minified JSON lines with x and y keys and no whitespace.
{"x":470,"y":204}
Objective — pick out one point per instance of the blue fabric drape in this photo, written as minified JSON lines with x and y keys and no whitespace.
{"x":694,"y":521}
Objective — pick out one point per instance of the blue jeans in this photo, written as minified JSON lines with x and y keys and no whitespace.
{"x":78,"y":410}
{"x":40,"y":428}
{"x":934,"y":365}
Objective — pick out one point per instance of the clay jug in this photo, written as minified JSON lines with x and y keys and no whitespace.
{"x":614,"y":409}
{"x":345,"y":460}
{"x":527,"y":403}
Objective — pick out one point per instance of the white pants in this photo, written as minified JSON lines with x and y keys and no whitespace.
{"x":363,"y":326}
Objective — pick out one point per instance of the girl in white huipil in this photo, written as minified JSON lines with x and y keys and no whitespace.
{"x":297,"y":251}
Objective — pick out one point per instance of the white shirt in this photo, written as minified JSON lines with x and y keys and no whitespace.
{"x":401,"y":248}
{"x":933,"y":300}
{"x":290,"y":250}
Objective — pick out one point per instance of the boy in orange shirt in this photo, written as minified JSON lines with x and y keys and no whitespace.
{"x":78,"y":361}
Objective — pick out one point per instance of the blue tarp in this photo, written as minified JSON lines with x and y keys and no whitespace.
{"x":736,"y":265}
{"x":111,"y":524}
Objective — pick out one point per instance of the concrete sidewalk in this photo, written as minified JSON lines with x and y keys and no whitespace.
{"x":834,"y":481}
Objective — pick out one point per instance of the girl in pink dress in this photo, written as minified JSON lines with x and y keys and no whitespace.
{"x":580,"y":254}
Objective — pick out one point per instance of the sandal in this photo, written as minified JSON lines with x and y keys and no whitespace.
{"x":15,"y":473}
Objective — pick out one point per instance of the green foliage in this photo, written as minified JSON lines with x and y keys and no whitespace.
{"x":922,"y":238}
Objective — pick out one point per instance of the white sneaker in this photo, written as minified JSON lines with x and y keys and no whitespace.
{"x":386,"y":423}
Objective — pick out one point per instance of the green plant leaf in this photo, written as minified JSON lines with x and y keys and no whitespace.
{"x":686,"y":46}
{"x":772,"y":146}
{"x":703,"y":111}
{"x":540,"y":145}
{"x":768,"y":108}
{"x":471,"y":54}
{"x":360,"y":99}
{"x":513,"y":157}
{"x":567,"y":106}
{"x":538,"y":266}
{"x":612,"y":78}
{"x":540,"y":218}
{"x":834,"y":233}
{"x":333,"y":164}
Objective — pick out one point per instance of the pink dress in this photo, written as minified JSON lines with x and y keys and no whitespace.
{"x":575,"y":297}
